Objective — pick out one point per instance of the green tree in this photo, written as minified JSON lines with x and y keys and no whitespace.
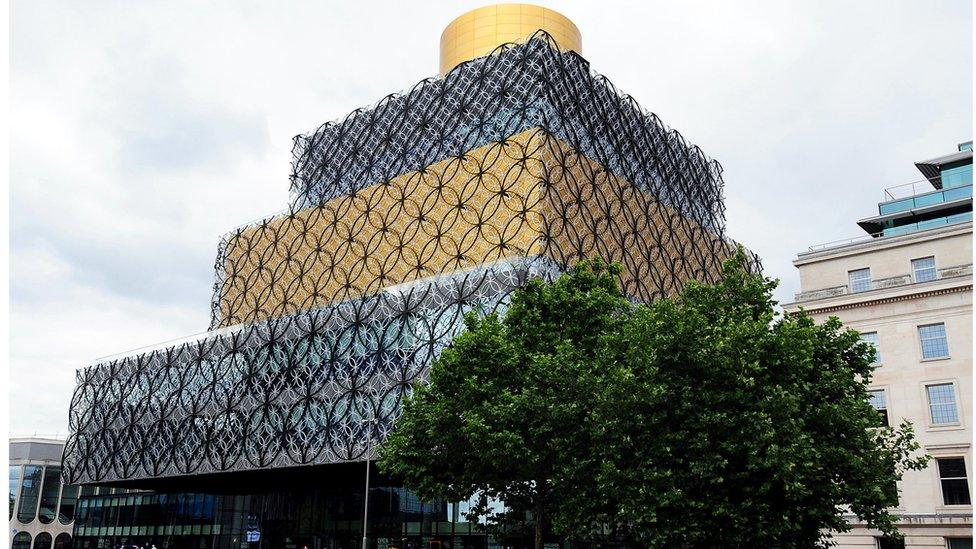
{"x":503,"y":411}
{"x":704,"y":420}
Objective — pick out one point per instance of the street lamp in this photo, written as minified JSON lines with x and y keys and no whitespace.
{"x":369,"y":442}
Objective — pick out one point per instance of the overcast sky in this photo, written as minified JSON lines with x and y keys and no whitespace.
{"x":141,"y":132}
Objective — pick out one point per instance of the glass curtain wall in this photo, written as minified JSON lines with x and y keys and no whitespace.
{"x":66,"y":510}
{"x":30,"y":490}
{"x":50,"y":491}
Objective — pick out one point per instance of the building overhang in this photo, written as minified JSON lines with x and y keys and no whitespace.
{"x":932,"y":169}
{"x":874,"y":225}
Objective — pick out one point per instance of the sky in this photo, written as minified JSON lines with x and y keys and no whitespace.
{"x":142,"y":132}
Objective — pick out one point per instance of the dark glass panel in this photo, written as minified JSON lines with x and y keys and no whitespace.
{"x":30,"y":489}
{"x":49,"y":495}
{"x":955,"y":492}
{"x":66,"y":511}
{"x":63,"y":541}
{"x":955,"y":486}
{"x":42,"y":541}
{"x":952,"y":468}
{"x":891,"y":543}
{"x":21,"y":541}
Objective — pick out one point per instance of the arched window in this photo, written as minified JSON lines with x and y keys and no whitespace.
{"x":30,"y":489}
{"x":63,"y":541}
{"x":49,"y":495}
{"x":42,"y":541}
{"x":69,"y":497}
{"x":21,"y":541}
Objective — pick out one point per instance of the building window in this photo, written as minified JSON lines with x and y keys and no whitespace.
{"x":934,"y":341}
{"x":30,"y":488}
{"x":942,"y":403}
{"x":872,"y":338}
{"x":924,"y":269}
{"x":890,"y":543}
{"x":49,"y":495}
{"x":877,"y":399}
{"x":955,"y":487}
{"x":957,"y":176}
{"x":860,"y":280}
{"x":63,"y":541}
{"x":66,"y":510}
{"x":959,"y":543}
{"x":21,"y":541}
{"x":42,"y":541}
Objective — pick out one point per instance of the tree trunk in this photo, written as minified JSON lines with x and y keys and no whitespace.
{"x":538,"y":526}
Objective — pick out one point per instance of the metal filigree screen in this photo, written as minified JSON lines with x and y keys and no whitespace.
{"x":402,"y":217}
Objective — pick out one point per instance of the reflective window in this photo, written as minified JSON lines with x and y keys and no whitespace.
{"x":924,"y":269}
{"x":957,"y":176}
{"x":955,"y":487}
{"x":66,"y":512}
{"x":14,"y":482}
{"x":860,"y":280}
{"x":21,"y":541}
{"x":63,"y":541}
{"x":878,"y":400}
{"x":942,"y":403}
{"x":934,"y":341}
{"x":30,"y":489}
{"x":49,"y":494}
{"x":872,"y":338}
{"x":42,"y":541}
{"x":959,"y":543}
{"x":929,"y":223}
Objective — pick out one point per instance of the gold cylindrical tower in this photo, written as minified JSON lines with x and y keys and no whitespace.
{"x":479,"y":31}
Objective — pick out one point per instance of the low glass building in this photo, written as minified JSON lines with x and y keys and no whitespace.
{"x":42,"y":510}
{"x":515,"y":163}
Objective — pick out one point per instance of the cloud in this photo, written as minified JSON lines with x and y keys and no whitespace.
{"x":143,"y":132}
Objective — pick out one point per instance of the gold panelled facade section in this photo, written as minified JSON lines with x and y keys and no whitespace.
{"x":590,"y":212}
{"x":526,"y":196}
{"x":478,"y":32}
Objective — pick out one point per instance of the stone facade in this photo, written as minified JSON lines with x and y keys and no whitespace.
{"x":894,"y":308}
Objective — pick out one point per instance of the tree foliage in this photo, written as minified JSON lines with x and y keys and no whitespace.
{"x":701,"y":420}
{"x":503,"y":412}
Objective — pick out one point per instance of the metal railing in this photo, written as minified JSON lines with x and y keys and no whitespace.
{"x":912,"y":188}
{"x":844,"y":242}
{"x":930,"y":198}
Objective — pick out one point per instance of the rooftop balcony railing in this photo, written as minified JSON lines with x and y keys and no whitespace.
{"x":924,"y":199}
{"x":906,"y":190}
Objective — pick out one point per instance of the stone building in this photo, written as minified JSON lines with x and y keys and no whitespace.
{"x":907,"y":287}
